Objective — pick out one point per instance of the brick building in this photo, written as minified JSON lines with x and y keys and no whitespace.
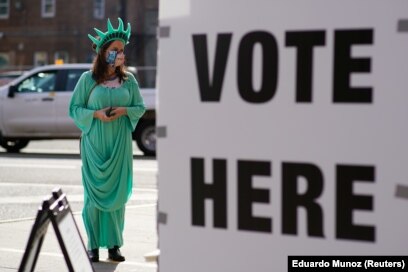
{"x":38,"y":32}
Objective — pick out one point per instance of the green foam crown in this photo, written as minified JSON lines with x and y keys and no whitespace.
{"x":110,"y":35}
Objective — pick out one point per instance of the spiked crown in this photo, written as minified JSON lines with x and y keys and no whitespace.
{"x":110,"y":35}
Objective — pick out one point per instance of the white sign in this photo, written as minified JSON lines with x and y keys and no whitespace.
{"x":284,"y":132}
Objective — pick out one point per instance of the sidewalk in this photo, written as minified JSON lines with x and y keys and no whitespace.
{"x":139,"y":235}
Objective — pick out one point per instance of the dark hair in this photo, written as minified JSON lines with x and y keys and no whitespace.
{"x":100,"y":66}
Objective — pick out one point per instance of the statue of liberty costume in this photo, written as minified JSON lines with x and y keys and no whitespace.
{"x":106,"y":149}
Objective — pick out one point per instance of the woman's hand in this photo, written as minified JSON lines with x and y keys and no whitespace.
{"x":115,"y":113}
{"x":118,"y":112}
{"x":101,"y":115}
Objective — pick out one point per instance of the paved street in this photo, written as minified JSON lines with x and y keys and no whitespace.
{"x":26,"y":178}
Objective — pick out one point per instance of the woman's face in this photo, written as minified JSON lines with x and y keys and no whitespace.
{"x":118,"y":48}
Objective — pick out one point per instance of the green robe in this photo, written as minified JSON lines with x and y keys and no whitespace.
{"x":107,"y":159}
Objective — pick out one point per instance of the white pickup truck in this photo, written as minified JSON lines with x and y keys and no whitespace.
{"x":34,"y":106}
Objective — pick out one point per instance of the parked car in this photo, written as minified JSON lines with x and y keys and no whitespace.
{"x":34,"y":106}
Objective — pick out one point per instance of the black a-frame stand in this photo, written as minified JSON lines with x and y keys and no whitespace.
{"x":56,"y":210}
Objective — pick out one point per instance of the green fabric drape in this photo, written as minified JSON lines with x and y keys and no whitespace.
{"x":106,"y":152}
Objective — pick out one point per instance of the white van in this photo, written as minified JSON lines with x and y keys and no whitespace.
{"x":35,"y":107}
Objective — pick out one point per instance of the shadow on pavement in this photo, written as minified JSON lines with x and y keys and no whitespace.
{"x":105,"y":266}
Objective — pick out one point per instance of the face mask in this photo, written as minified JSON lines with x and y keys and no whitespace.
{"x":111,"y":58}
{"x":115,"y":59}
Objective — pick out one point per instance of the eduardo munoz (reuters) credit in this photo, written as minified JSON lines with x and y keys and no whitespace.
{"x":354,"y":263}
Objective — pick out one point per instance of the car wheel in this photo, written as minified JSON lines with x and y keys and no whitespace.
{"x":145,"y":136}
{"x":13,"y":146}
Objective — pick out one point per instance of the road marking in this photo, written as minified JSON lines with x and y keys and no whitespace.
{"x":71,"y":199}
{"x":37,"y":199}
{"x":17,"y":220}
{"x":128,"y":207}
{"x":57,"y":255}
{"x":61,"y":166}
{"x":46,"y":166}
{"x":24,"y":184}
{"x":50,"y":151}
{"x":12,"y":250}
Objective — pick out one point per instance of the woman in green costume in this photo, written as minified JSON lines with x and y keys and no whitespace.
{"x":106,"y":105}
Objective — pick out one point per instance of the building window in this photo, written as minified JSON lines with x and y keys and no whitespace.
{"x":47,"y":8}
{"x":4,"y":59}
{"x":4,"y":9}
{"x":99,"y":9}
{"x":61,"y":57}
{"x":40,"y":58}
